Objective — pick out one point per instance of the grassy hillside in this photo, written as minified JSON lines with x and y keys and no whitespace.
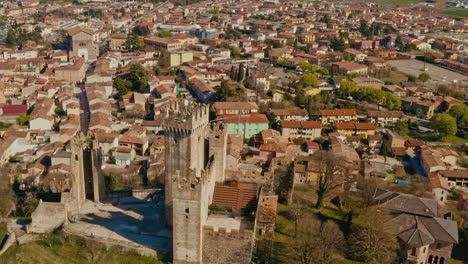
{"x":57,"y":248}
{"x":456,"y":12}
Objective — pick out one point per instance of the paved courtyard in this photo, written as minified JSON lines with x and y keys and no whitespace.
{"x":439,"y":75}
{"x":134,"y":224}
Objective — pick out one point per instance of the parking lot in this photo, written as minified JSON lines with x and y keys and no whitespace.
{"x":439,"y":75}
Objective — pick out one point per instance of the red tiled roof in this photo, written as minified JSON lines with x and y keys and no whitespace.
{"x":338,"y":112}
{"x":15,"y":109}
{"x":301,"y":124}
{"x":353,"y":125}
{"x":253,"y":118}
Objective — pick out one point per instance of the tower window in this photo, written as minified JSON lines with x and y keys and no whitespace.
{"x":192,"y":185}
{"x":187,"y":210}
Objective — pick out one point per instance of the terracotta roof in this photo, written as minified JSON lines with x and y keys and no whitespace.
{"x":301,"y":124}
{"x":235,"y":105}
{"x":385,"y":113}
{"x":355,"y":126}
{"x":338,"y":112}
{"x":253,"y":118}
{"x":287,"y":112}
{"x":14,"y":109}
{"x":454,"y":173}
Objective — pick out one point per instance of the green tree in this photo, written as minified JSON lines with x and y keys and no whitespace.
{"x":364,"y":29}
{"x":11,"y":40}
{"x":323,"y":72}
{"x":347,"y":88}
{"x":228,"y":90}
{"x":282,"y":61}
{"x":338,"y":44}
{"x":307,"y":67}
{"x":240,"y":73}
{"x":122,"y":87}
{"x":139,"y":78}
{"x":232,"y":74}
{"x":308,"y":79}
{"x":347,"y":57}
{"x":460,"y":113}
{"x":165,"y":34}
{"x":22,"y":120}
{"x":235,"y":52}
{"x":424,"y":77}
{"x":133,"y":43}
{"x":445,"y":124}
{"x":141,"y":30}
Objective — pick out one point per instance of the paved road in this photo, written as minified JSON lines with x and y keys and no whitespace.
{"x":439,"y":75}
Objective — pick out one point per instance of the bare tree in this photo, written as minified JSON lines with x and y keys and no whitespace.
{"x":295,"y":213}
{"x":332,"y":173}
{"x":319,"y":241}
{"x":370,"y":241}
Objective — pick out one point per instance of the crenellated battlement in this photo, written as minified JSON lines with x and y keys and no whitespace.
{"x":183,"y":116}
{"x":222,"y":232}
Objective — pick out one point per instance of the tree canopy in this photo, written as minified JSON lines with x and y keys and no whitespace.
{"x":165,"y":34}
{"x":141,"y":30}
{"x":445,"y":124}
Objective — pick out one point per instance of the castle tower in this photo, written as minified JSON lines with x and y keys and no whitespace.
{"x":88,"y":181}
{"x":186,"y":125}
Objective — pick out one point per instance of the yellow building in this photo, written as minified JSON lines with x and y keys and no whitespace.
{"x":176,"y":58}
{"x":330,"y":116}
{"x":362,"y":130}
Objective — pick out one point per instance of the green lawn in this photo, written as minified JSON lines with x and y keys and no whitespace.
{"x":456,"y":12}
{"x":56,"y":248}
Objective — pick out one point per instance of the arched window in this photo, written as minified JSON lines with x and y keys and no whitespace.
{"x":436,"y":260}
{"x":430,"y":259}
{"x":442,"y":260}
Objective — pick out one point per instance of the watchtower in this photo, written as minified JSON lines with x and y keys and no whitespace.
{"x":186,"y":126}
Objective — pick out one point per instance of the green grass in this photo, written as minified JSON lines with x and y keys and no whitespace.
{"x":456,"y":12}
{"x":57,"y":248}
{"x":3,"y":231}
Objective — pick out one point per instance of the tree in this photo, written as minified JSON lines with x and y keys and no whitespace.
{"x":240,"y":73}
{"x":338,"y":44}
{"x":369,"y":241}
{"x":308,"y":79}
{"x":307,"y":67}
{"x":445,"y":124}
{"x":319,"y":241}
{"x":332,"y":173}
{"x":247,"y":72}
{"x":347,"y":57}
{"x":364,"y":29}
{"x":139,"y":78}
{"x":424,"y":77}
{"x":295,"y":213}
{"x":235,"y":52}
{"x":122,"y":87}
{"x":11,"y":40}
{"x":165,"y":34}
{"x":232,"y":74}
{"x":282,"y":61}
{"x":347,"y":88}
{"x":229,"y":91}
{"x":22,"y":120}
{"x":141,"y":30}
{"x":383,"y":149}
{"x":133,"y":43}
{"x":460,"y":113}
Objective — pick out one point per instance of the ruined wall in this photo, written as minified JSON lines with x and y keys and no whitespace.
{"x":222,"y":247}
{"x":47,"y":217}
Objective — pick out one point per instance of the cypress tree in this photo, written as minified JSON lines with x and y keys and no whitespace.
{"x":247,"y":73}
{"x":232,"y":74}
{"x":240,"y":73}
